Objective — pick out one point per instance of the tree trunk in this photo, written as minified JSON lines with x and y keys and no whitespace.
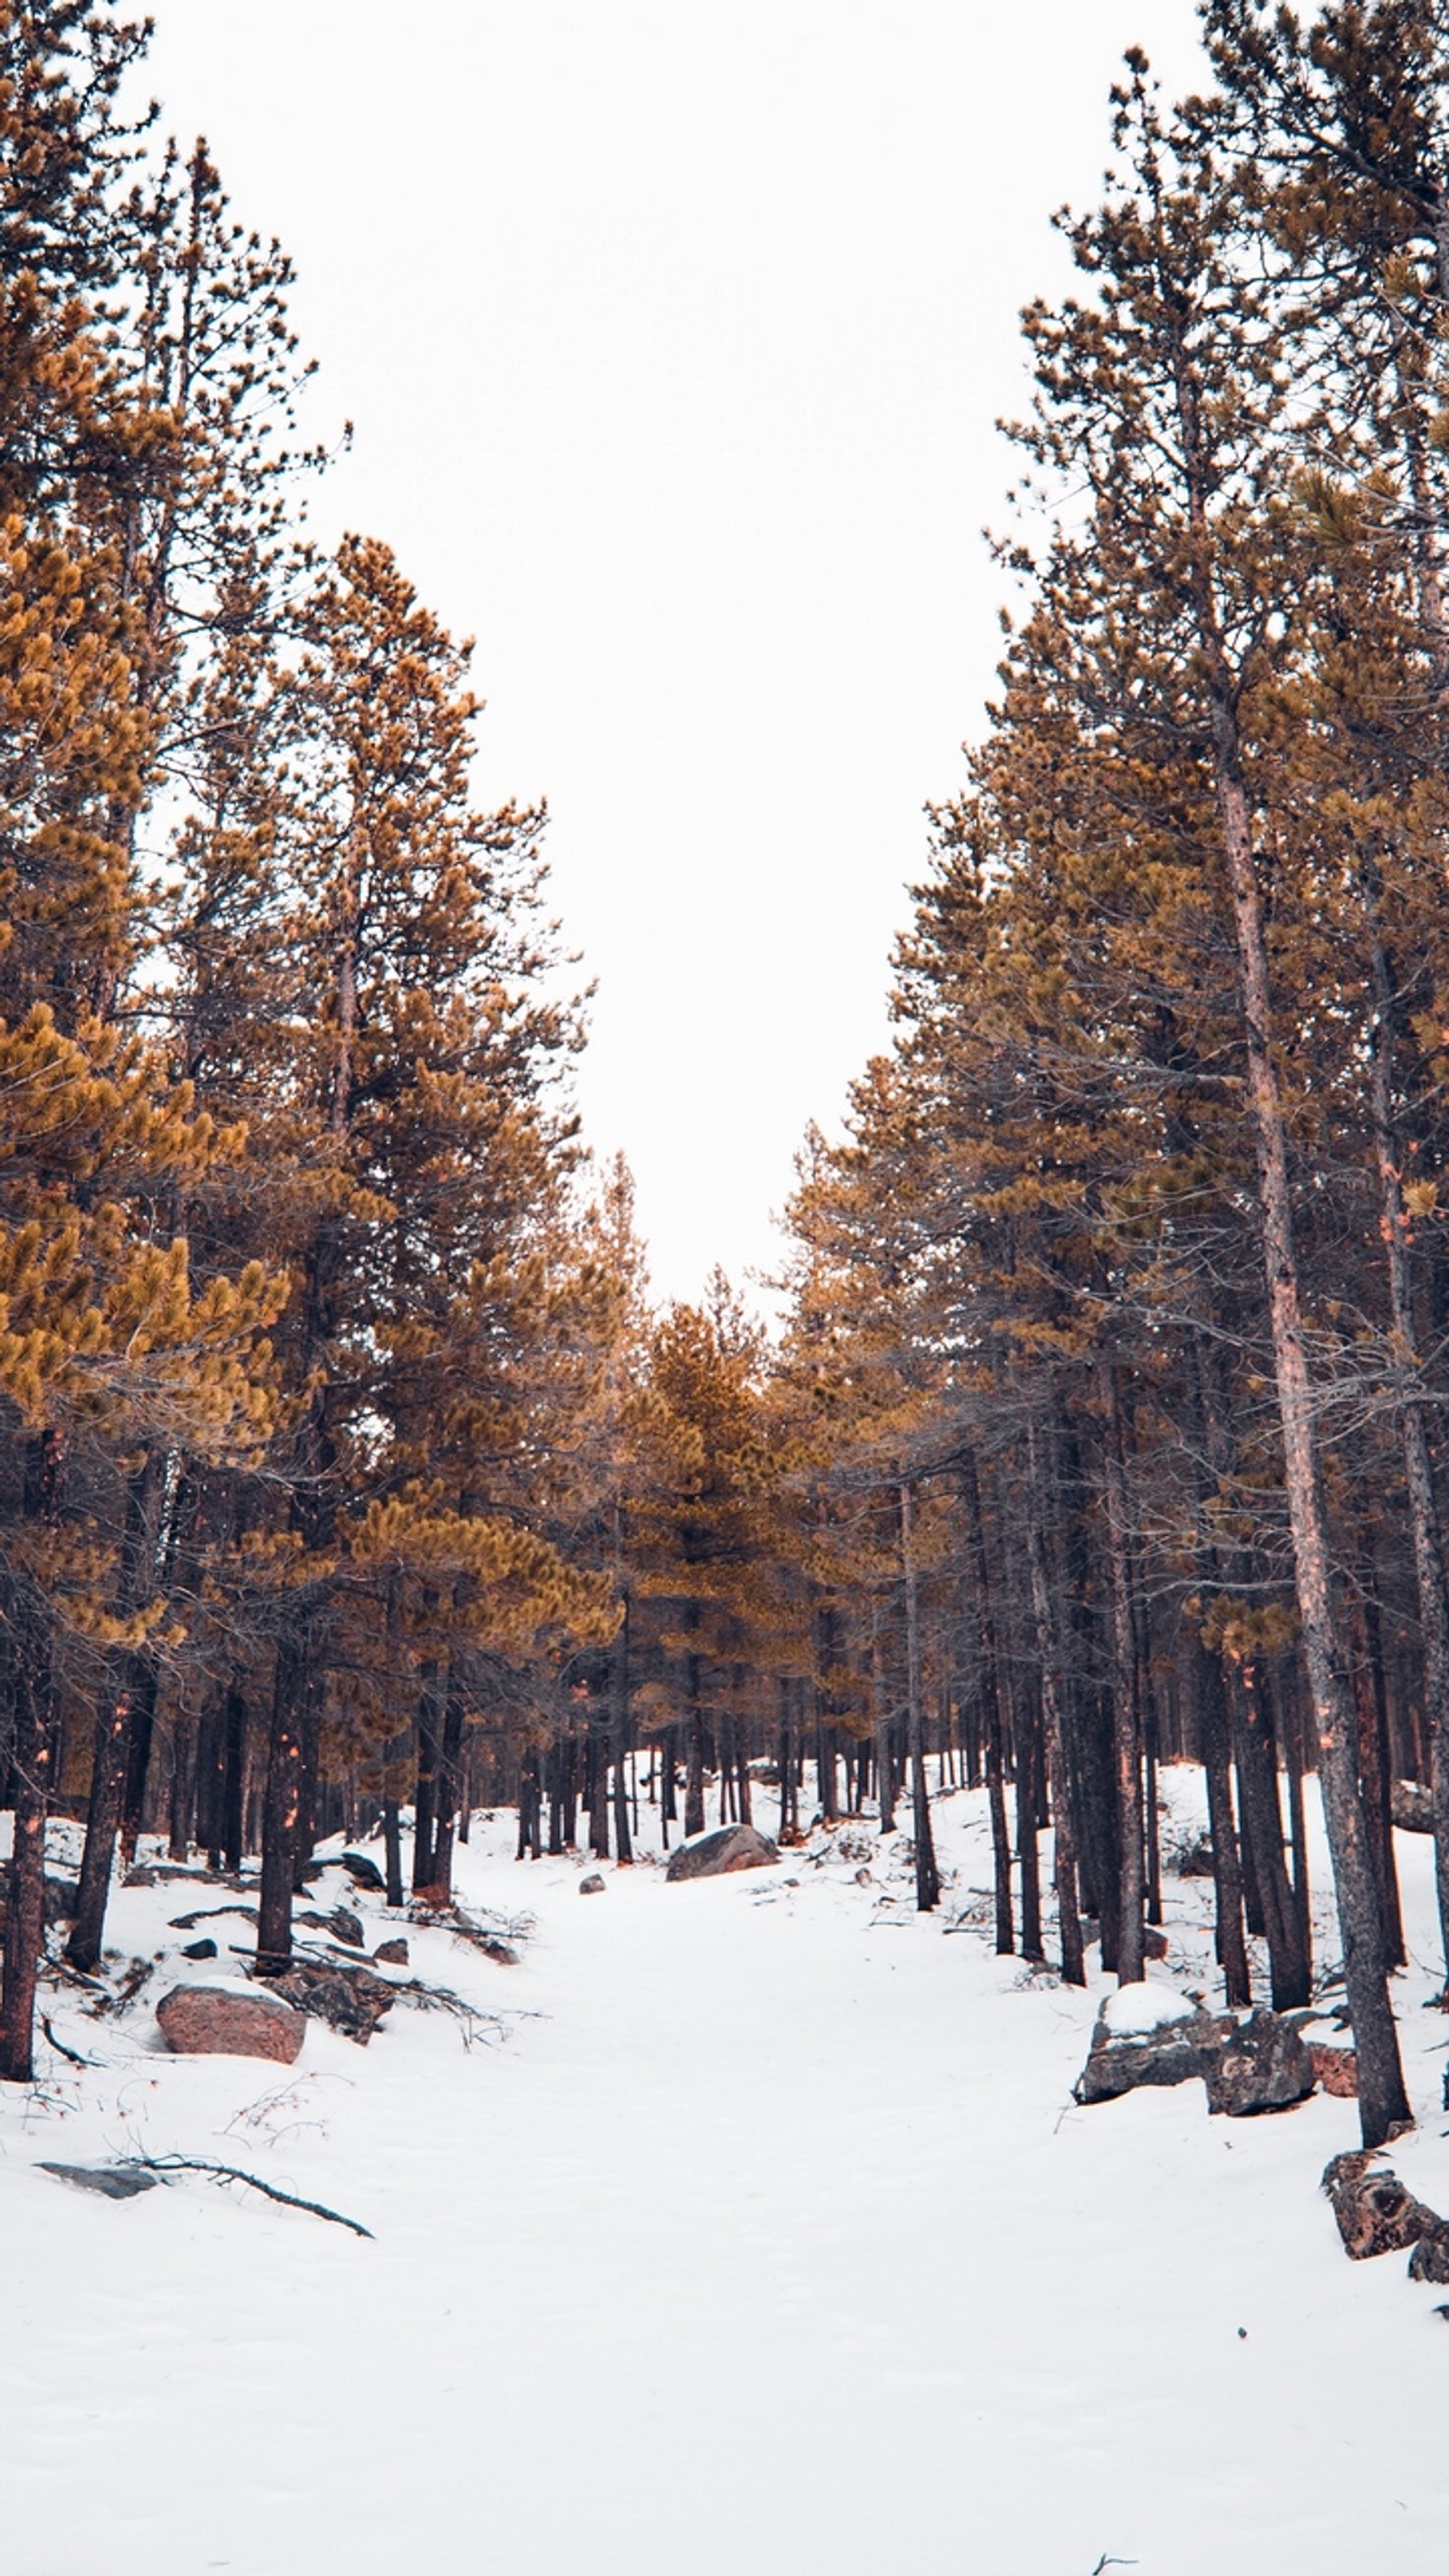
{"x":693,"y":1755}
{"x":1290,"y":1965}
{"x":619,"y":1739}
{"x":928,"y":1877}
{"x":282,"y":1808}
{"x":123,"y":1670}
{"x":392,"y":1850}
{"x":990,"y":1704}
{"x":1126,"y":1746}
{"x":1383,"y":2102}
{"x":1215,"y":1749}
{"x":33,"y":1766}
{"x":1064,"y":1845}
{"x":425,"y":1788}
{"x":1429,"y":1578}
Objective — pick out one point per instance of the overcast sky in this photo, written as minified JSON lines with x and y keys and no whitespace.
{"x":674,"y":335}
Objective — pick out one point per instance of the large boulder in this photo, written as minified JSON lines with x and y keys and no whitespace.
{"x":1148,"y":2035}
{"x":1262,"y":2065}
{"x":719,"y":1855}
{"x":230,"y":2021}
{"x":1378,"y":2214}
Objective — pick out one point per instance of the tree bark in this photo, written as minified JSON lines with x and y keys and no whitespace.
{"x":1126,"y":1744}
{"x":1064,"y":1867}
{"x":928,"y":1876}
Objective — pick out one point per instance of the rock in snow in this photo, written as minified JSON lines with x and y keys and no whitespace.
{"x":1175,"y":2049}
{"x":364,"y":1872}
{"x":1134,"y":2011}
{"x":1411,"y":1805}
{"x":1336,"y":2069}
{"x":593,"y":1885}
{"x":1378,"y":2214}
{"x":348,"y":1999}
{"x":1146,"y":2034}
{"x":392,"y":1954}
{"x":716,"y":1855}
{"x":113,"y":2182}
{"x":227,"y":2021}
{"x":1262,"y":2065}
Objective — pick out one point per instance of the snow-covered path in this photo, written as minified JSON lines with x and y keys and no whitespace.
{"x":774,"y":2242}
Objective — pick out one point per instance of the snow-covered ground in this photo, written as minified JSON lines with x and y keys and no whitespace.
{"x":761,"y":2231}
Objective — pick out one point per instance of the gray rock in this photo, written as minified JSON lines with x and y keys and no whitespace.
{"x":220,"y":2021}
{"x":343,"y":1925}
{"x":1378,"y":2214}
{"x":1430,"y":2258}
{"x":199,"y":1950}
{"x":1192,"y":1860}
{"x":393,"y":1954}
{"x":718,"y":1855}
{"x":1411,"y":1806}
{"x":113,"y":2182}
{"x":364,"y":1872}
{"x":348,"y":1999}
{"x":1262,"y":2065}
{"x":1174,"y":2054}
{"x":591,"y":1886}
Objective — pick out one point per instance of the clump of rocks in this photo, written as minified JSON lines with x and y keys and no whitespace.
{"x":1146,"y":2036}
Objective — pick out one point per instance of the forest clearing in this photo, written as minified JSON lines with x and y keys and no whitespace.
{"x":762,"y":2219}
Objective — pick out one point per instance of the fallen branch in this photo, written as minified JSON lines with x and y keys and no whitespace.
{"x":73,"y":2054}
{"x":254,"y":2182}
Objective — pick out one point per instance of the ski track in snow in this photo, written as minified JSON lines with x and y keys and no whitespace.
{"x":773,"y":2241}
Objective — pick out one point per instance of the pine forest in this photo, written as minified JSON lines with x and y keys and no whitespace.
{"x":1090,"y":1470}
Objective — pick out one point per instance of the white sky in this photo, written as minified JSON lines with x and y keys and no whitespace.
{"x":674,"y":335}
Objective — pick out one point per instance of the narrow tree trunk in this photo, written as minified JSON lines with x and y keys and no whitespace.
{"x":446,"y":1802}
{"x":885,"y":1785}
{"x":1290,"y":1966}
{"x":282,"y":1809}
{"x":693,"y":1755}
{"x":425,"y":1788}
{"x":33,"y":1766}
{"x":233,"y":1808}
{"x":1126,"y":1745}
{"x":1383,"y":2101}
{"x":139,"y":1739}
{"x":1215,"y":1749}
{"x":928,"y":1876}
{"x":1064,"y":1844}
{"x":113,"y":1722}
{"x":1027,"y":1827}
{"x":392,"y":1850}
{"x":990,"y":1705}
{"x":619,"y":1739}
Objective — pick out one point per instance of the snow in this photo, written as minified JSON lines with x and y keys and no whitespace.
{"x":1135,"y":2011}
{"x":757,"y":2228}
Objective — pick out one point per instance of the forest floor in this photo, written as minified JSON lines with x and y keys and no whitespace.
{"x":758,"y":2229}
